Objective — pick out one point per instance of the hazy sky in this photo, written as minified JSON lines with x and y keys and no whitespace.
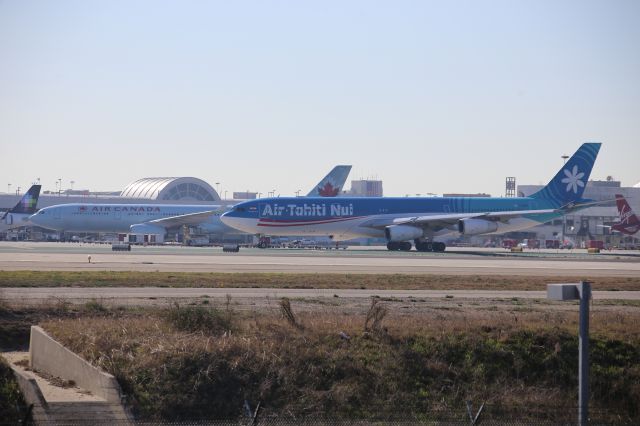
{"x":447,"y":96}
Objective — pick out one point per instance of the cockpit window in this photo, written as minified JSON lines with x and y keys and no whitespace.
{"x":240,"y":209}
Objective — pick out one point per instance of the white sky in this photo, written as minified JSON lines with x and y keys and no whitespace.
{"x":427,"y":96}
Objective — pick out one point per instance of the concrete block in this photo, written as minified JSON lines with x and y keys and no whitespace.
{"x":49,"y":356}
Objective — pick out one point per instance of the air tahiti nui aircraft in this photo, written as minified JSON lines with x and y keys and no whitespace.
{"x":418,"y":220}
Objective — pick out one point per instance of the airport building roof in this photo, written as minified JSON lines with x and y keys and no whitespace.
{"x":171,"y":188}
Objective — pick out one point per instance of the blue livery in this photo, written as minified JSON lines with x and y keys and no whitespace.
{"x":421,"y":220}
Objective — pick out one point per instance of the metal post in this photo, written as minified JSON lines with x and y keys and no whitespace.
{"x":584,"y":289}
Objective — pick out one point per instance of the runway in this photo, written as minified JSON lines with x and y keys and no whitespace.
{"x":116,"y":294}
{"x":70,"y":257}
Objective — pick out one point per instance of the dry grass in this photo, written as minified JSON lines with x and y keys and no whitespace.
{"x":424,"y":362}
{"x":279,"y":280}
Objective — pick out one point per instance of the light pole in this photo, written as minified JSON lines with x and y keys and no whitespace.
{"x":59,"y":186}
{"x":225,"y":194}
{"x":218,"y":188}
{"x":8,"y":188}
{"x":72,"y":182}
{"x":18,"y":191}
{"x":564,"y":216}
{"x":298,"y":193}
{"x":582,"y":292}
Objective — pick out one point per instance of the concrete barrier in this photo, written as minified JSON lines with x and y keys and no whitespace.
{"x":32,"y":395}
{"x":50,"y":356}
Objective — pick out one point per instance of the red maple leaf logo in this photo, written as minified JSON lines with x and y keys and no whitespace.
{"x":328,"y":190}
{"x":83,"y":208}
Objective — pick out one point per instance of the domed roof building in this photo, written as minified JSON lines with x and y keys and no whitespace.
{"x":171,"y":189}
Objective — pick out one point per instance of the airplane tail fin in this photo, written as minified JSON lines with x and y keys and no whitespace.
{"x":569,"y":183}
{"x":627,"y":216}
{"x":27,"y":204}
{"x":331,"y":184}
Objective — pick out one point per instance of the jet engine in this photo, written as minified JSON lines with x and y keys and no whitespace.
{"x":145,"y":228}
{"x":402,"y":233}
{"x":476,"y":226}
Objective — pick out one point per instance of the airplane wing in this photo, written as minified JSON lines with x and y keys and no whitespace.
{"x":447,"y":220}
{"x":185,"y":219}
{"x":440,"y":221}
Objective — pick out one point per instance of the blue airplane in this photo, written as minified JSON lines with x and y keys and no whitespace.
{"x":419,"y":220}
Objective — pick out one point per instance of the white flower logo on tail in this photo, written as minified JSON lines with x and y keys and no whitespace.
{"x":573,"y":179}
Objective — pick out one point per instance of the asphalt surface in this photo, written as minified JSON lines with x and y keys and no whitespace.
{"x":128,"y":293}
{"x":75,"y":257}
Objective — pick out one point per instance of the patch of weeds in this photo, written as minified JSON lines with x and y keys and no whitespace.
{"x":287,"y":313}
{"x":96,"y":307}
{"x":12,"y":405}
{"x":198,"y":319}
{"x":375,"y":315}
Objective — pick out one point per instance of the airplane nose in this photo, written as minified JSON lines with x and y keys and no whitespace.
{"x":235,"y":222}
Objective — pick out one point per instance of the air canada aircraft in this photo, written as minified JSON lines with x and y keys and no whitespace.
{"x":19,"y":215}
{"x":419,"y":220}
{"x":151,"y":218}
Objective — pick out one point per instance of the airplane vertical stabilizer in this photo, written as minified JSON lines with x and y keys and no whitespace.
{"x":629,"y":223}
{"x":331,"y":184}
{"x":569,"y":183}
{"x":28,"y":202}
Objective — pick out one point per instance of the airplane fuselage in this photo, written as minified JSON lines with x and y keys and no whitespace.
{"x":352,"y":217}
{"x":14,"y":220}
{"x":117,"y":218}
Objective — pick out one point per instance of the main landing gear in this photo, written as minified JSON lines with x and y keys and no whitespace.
{"x":430,"y":246}
{"x":420,"y":246}
{"x":399,"y":246}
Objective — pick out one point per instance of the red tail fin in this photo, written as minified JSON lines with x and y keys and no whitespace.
{"x":629,"y":222}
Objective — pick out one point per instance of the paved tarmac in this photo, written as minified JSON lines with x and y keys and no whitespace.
{"x":74,"y":257}
{"x":128,"y":293}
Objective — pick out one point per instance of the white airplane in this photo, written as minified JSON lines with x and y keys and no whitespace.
{"x":151,"y":218}
{"x":19,"y":215}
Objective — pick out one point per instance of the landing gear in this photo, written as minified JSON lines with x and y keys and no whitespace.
{"x":399,"y":246}
{"x":424,"y":246}
{"x":427,"y":246}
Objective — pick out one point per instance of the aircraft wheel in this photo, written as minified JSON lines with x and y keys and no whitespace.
{"x":405,"y":246}
{"x":439,"y":247}
{"x":423,"y":246}
{"x":393,"y":246}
